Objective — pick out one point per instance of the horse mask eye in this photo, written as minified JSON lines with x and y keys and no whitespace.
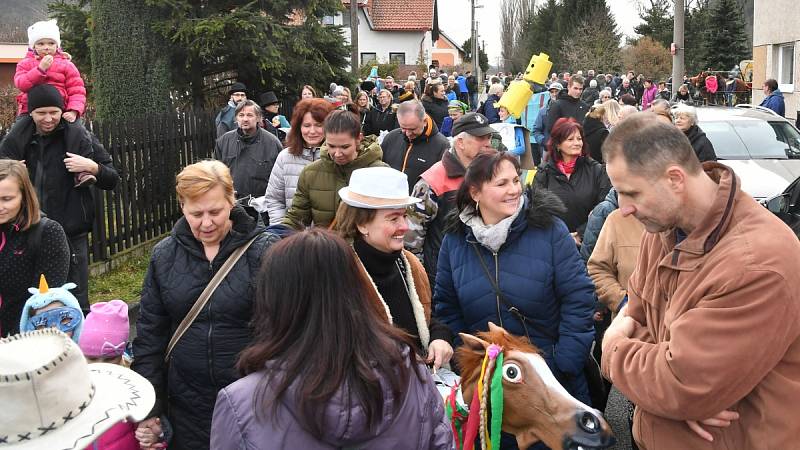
{"x":512,"y":373}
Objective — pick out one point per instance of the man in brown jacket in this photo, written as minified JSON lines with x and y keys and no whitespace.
{"x":708,"y":345}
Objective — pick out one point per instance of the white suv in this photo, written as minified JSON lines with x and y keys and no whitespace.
{"x":762,"y":147}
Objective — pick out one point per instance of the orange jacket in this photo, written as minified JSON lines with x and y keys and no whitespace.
{"x":720,"y":316}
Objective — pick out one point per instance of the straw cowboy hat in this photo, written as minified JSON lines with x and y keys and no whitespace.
{"x":59,"y":401}
{"x":377,"y":188}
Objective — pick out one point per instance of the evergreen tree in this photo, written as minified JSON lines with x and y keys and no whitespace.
{"x":543,"y":33}
{"x":695,"y":27}
{"x":725,"y":39}
{"x":594,"y":44}
{"x":483,"y":62}
{"x":130,"y":68}
{"x":657,"y":22}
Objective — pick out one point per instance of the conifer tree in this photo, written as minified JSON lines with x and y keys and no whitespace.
{"x":657,"y":22}
{"x":725,"y":39}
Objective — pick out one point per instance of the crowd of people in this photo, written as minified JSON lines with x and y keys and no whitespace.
{"x":326,"y":265}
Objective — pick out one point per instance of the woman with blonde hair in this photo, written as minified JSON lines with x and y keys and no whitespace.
{"x":187,"y":267}
{"x":612,"y":110}
{"x":31,"y":245}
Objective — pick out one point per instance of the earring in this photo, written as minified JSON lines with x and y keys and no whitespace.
{"x":477,"y":205}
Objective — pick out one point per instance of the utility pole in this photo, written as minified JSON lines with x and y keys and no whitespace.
{"x":678,"y":54}
{"x":354,"y":37}
{"x":474,"y":41}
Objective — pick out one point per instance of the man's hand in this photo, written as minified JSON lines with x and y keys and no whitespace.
{"x":439,"y":352}
{"x":621,"y":326}
{"x":46,"y":62}
{"x":70,"y":116}
{"x":721,"y":420}
{"x":577,"y":238}
{"x":77,"y":164}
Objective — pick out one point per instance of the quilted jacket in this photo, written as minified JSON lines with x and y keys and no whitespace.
{"x":317,"y":195}
{"x":283,"y":181}
{"x":539,"y":271}
{"x":203,"y":360}
{"x":63,"y":75}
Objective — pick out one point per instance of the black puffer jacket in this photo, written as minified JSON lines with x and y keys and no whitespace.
{"x":413,"y":157}
{"x":566,"y":106}
{"x":586,"y":187}
{"x":203,"y":360}
{"x":595,"y":133}
{"x":703,"y":148}
{"x":436,"y":108}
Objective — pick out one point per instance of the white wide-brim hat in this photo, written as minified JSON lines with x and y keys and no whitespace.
{"x":54,"y":400}
{"x":377,"y":188}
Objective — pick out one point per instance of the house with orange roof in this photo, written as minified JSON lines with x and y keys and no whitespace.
{"x":392,"y":31}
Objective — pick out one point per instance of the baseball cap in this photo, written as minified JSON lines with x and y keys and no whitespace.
{"x":555,"y":85}
{"x":473,"y":123}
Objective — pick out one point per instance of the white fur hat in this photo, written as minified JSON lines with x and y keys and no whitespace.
{"x":46,"y":29}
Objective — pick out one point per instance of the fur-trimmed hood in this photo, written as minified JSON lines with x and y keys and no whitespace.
{"x":541,"y":207}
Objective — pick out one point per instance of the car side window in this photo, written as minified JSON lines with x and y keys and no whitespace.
{"x":787,"y":134}
{"x":727,"y":144}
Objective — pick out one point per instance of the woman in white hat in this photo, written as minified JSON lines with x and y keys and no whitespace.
{"x":372,"y":216}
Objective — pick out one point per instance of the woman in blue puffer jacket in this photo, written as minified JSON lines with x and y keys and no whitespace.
{"x":528,"y":250}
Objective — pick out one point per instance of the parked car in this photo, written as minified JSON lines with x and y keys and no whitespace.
{"x":762,"y":147}
{"x":787,"y":206}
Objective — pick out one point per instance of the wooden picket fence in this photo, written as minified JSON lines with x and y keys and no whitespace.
{"x":148,"y":152}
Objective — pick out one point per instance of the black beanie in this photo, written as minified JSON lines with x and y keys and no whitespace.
{"x":237,"y":87}
{"x":44,"y":95}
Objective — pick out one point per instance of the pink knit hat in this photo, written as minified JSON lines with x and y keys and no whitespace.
{"x":105,"y":330}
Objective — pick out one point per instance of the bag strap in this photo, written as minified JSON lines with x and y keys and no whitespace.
{"x":206,"y":295}
{"x":509,"y":306}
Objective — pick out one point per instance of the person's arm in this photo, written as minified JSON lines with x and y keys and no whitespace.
{"x":445,"y":298}
{"x":76,"y":91}
{"x":575,"y":296}
{"x":491,"y":112}
{"x":275,"y":196}
{"x":299,"y":215}
{"x":226,"y":430}
{"x":53,"y":258}
{"x":107,"y":175}
{"x":594,"y":224}
{"x":750,"y":315}
{"x":602,"y":268}
{"x":153,"y":332}
{"x":553,"y":114}
{"x":420,"y":216}
{"x":28,"y":74}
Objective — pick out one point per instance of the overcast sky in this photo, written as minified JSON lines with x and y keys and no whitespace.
{"x":454,"y":20}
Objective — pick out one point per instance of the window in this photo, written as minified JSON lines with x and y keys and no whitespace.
{"x":397,"y":58}
{"x":327,"y":20}
{"x":367,"y":58}
{"x":784,"y":58}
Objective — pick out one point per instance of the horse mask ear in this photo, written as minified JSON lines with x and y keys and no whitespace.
{"x":473,"y":343}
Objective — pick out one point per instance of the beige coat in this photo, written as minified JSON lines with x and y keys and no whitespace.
{"x":720,"y":329}
{"x":614,"y":258}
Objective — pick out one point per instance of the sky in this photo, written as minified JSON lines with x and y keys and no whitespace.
{"x":454,"y":20}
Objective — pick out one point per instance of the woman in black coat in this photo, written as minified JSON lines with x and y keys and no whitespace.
{"x":596,"y":131}
{"x":203,"y":360}
{"x":435,"y":102}
{"x":30,"y":245}
{"x":686,"y":120}
{"x":572,"y":175}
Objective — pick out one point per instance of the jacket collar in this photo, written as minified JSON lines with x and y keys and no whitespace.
{"x":429,"y":130}
{"x":689,"y":253}
{"x":452,"y":165}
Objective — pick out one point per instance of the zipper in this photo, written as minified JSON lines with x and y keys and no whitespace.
{"x":209,"y":343}
{"x":497,"y":280}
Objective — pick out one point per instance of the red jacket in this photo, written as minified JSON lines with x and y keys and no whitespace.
{"x":62,"y":74}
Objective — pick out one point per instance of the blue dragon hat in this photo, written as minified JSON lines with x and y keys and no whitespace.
{"x":46,"y":295}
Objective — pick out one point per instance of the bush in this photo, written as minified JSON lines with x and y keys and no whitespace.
{"x":8,"y":107}
{"x":384,"y":70}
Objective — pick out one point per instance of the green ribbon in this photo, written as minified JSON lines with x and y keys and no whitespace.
{"x":496,"y":398}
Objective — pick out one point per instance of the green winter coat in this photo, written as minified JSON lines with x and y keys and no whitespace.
{"x":317,"y":195}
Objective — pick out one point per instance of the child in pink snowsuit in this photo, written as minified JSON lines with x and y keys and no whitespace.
{"x":46,"y":63}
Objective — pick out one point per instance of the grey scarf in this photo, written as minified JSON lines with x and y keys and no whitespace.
{"x":490,"y":236}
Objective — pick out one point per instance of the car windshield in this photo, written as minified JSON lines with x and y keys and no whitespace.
{"x":745,"y":139}
{"x":788,"y":135}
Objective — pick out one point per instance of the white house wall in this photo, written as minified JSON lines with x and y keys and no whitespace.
{"x":384,"y":42}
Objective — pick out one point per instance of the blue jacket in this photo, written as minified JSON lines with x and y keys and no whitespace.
{"x":491,"y":111}
{"x":462,"y":84}
{"x":540,"y":273}
{"x":595,"y":223}
{"x":774,"y":101}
